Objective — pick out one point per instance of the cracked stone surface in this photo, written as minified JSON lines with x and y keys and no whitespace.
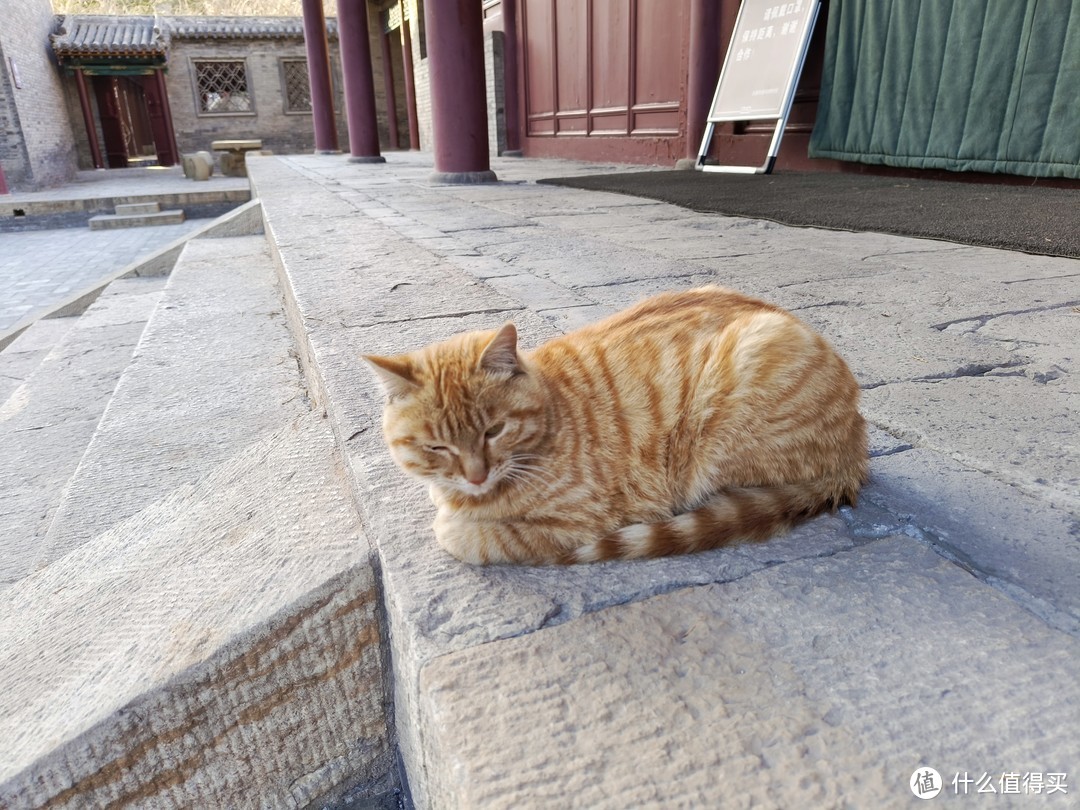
{"x":953,"y":490}
{"x":970,"y":418}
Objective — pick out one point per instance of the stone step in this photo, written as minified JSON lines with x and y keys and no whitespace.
{"x":244,"y":220}
{"x":219,"y":649}
{"x":138,"y":208}
{"x":102,"y":221}
{"x":215,"y":370}
{"x":822,"y":682}
{"x":24,"y":354}
{"x":48,"y":420}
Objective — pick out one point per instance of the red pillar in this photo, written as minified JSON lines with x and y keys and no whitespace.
{"x":510,"y":79}
{"x":455,"y":40}
{"x":359,"y":83}
{"x":3,"y":182}
{"x":88,"y":119}
{"x":318,"y":63}
{"x":704,"y":72}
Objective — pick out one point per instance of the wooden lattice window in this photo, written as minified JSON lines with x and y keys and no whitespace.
{"x":222,"y":87}
{"x":294,"y":78}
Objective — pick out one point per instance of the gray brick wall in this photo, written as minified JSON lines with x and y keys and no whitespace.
{"x":422,"y":81}
{"x":279,"y":131}
{"x":36,"y":142}
{"x":13,"y":158}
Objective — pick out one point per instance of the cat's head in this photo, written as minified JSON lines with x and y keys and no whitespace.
{"x":466,"y":414}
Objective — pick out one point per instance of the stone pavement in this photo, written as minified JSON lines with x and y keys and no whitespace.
{"x":39,"y":269}
{"x":246,"y":636}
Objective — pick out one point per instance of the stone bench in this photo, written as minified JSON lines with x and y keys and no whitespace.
{"x":232,"y":162}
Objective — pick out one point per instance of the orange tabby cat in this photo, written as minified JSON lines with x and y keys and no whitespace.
{"x":688,"y":421}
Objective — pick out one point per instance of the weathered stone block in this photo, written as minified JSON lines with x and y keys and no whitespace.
{"x":220,"y":648}
{"x":818,"y":683}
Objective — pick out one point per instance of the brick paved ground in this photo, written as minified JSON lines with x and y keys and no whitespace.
{"x":39,"y":269}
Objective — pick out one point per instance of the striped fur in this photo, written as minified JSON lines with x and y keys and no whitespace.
{"x":689,"y":421}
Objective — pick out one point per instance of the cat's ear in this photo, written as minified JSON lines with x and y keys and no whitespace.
{"x":395,"y":373}
{"x":500,"y":355}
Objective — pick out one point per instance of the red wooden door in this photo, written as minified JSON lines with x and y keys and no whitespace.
{"x":157,"y":108}
{"x":109,"y":112}
{"x":605,"y":69}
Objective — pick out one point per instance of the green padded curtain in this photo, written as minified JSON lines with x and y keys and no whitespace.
{"x":964,"y":85}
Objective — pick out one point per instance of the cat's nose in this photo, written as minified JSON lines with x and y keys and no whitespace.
{"x":475,"y":469}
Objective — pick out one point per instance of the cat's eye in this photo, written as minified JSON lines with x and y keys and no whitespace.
{"x":495,"y":430}
{"x":437,"y":448}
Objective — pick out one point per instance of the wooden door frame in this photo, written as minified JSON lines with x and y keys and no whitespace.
{"x":150,"y":79}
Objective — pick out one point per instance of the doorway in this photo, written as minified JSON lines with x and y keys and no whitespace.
{"x":134,"y":121}
{"x":393,"y":66}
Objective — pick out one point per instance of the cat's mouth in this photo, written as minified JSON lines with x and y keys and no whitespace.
{"x":475,"y":490}
{"x":494,"y":480}
{"x":517,"y":472}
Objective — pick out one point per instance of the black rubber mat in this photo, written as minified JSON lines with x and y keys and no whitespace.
{"x":1035,"y":219}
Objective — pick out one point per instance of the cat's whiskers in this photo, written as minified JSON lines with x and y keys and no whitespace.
{"x":530,"y":475}
{"x":540,"y":473}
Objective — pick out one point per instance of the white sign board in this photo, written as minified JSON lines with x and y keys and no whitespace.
{"x":761,"y":69}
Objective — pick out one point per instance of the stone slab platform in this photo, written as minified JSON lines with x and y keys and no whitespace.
{"x":24,"y":354}
{"x":376,"y":259}
{"x":99,"y":192}
{"x":242,"y":220}
{"x":824,"y":682}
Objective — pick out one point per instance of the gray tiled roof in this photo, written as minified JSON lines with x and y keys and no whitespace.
{"x":240,"y":27}
{"x":81,"y":35}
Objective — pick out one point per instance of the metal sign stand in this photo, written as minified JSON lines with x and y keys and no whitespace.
{"x":768,"y":46}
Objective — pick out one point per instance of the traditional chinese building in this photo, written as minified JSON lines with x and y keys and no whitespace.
{"x":913,"y":86}
{"x":956,"y":85}
{"x":147,"y":89}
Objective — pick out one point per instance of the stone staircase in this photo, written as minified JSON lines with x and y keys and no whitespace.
{"x":48,"y":421}
{"x":188,"y":615}
{"x":136,"y":215}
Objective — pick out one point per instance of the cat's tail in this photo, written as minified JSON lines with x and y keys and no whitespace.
{"x":729,"y":516}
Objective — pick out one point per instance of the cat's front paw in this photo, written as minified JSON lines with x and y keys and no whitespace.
{"x":435,"y":494}
{"x":460,"y":538}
